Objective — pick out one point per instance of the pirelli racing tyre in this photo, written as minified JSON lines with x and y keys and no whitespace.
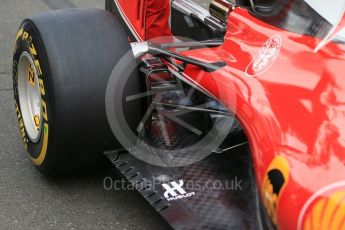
{"x":61,"y":65}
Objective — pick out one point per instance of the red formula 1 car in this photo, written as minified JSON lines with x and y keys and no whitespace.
{"x":226,"y":118}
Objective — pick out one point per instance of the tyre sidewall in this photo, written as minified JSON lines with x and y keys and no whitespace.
{"x":28,"y":40}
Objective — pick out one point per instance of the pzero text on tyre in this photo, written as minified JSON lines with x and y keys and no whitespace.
{"x":61,"y":65}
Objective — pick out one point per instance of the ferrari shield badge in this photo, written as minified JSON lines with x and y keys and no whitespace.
{"x":266,"y":56}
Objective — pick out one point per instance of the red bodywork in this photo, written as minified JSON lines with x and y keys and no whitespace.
{"x":147,"y":19}
{"x":293,"y":112}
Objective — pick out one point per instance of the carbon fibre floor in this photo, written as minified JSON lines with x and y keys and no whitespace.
{"x":218,"y":192}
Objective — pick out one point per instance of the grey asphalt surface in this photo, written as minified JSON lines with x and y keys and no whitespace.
{"x":28,"y":200}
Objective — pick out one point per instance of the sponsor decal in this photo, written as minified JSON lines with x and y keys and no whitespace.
{"x":24,"y":37}
{"x":21,"y":125}
{"x":37,"y":122}
{"x":274,"y":183}
{"x":325,"y":209}
{"x":266,"y":56}
{"x":31,"y":76}
{"x":175,"y":191}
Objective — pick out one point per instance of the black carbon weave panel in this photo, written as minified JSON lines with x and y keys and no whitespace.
{"x":208,"y":208}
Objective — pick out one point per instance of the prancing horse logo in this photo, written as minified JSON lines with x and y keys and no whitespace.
{"x":266,"y":56}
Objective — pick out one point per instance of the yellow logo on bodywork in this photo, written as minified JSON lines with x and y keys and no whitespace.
{"x":275,"y":180}
{"x":327,"y":213}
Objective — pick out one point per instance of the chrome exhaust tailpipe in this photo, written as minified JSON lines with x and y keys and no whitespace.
{"x":220,"y":9}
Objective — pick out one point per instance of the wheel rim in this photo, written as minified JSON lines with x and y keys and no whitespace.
{"x":30,"y":97}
